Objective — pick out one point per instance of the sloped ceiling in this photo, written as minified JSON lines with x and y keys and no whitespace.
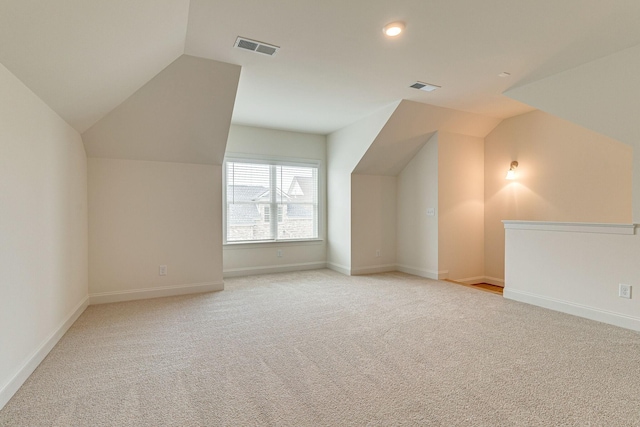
{"x":181,"y":115}
{"x":409,"y":128}
{"x":602,"y":95}
{"x":85,"y":57}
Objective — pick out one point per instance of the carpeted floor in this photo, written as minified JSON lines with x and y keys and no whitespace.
{"x":321,"y":349}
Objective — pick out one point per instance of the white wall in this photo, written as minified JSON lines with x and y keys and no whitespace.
{"x":447,"y":176}
{"x":43,"y":224}
{"x":417,"y":233}
{"x":610,"y":108}
{"x":461,"y":207}
{"x":373,"y":223}
{"x":146,"y":214}
{"x":567,"y":269}
{"x":585,"y":270}
{"x":565,"y":173}
{"x":155,"y":184}
{"x":257,"y":258}
{"x":345,"y":148}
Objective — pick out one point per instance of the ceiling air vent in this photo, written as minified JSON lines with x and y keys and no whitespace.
{"x":427,"y":87}
{"x":256,"y":46}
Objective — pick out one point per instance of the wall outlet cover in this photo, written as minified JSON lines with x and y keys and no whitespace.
{"x":624,"y":291}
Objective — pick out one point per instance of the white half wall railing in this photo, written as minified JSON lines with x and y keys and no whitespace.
{"x":575,"y":268}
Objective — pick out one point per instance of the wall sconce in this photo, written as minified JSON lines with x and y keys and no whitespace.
{"x":511,"y":174}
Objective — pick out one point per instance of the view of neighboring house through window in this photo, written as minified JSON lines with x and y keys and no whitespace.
{"x":270,"y":201}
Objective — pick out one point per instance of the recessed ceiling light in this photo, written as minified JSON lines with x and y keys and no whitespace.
{"x":427,"y":87}
{"x":393,"y":29}
{"x":504,"y":74}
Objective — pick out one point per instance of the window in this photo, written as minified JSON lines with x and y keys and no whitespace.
{"x":270,"y":201}
{"x":267,"y":216}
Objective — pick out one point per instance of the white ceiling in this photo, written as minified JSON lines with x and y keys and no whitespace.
{"x":84,"y":57}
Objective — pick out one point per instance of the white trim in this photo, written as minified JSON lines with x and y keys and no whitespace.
{"x":572,"y":227}
{"x":429,"y":274}
{"x":270,"y":244}
{"x":271,"y":159}
{"x":31,"y":363}
{"x":339,"y":268}
{"x":610,"y":317}
{"x":285,"y":268}
{"x":146,"y":293}
{"x":372,"y":269}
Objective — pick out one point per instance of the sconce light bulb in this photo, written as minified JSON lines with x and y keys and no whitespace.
{"x":511,"y":174}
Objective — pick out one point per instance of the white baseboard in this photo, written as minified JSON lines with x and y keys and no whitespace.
{"x":339,"y":268}
{"x":481,"y":279}
{"x":610,"y":317}
{"x":429,"y":274}
{"x":165,"y":291}
{"x":372,"y":269}
{"x":11,"y":387}
{"x":250,"y":271}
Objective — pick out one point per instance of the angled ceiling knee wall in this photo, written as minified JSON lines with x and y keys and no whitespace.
{"x":403,"y":135}
{"x":409,"y":128}
{"x":181,"y":115}
{"x":155,"y":184}
{"x":345,"y":149}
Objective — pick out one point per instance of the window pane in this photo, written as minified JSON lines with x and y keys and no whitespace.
{"x":248,"y":198}
{"x":298,"y":221}
{"x":298,"y":200}
{"x":296,"y":184}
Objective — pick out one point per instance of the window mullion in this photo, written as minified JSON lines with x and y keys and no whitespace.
{"x":273,"y":185}
{"x":316,"y":214}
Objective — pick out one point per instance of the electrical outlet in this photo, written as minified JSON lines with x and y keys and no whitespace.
{"x":377,"y":253}
{"x":431,"y":211}
{"x":624,"y":291}
{"x":279,"y":253}
{"x":162,"y":271}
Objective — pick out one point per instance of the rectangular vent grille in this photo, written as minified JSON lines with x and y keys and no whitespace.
{"x":267,"y":50}
{"x":427,"y":87}
{"x":246,"y":44}
{"x":256,"y":46}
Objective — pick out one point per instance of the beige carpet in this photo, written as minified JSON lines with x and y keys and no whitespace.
{"x":318,"y":348}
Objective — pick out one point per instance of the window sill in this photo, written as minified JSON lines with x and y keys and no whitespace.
{"x":271,"y":243}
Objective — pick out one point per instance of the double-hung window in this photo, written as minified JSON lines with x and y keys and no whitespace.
{"x":270,"y":200}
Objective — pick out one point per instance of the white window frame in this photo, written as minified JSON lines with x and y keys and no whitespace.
{"x":276,"y":161}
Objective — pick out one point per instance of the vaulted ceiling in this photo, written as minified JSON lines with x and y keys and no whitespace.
{"x":85,"y":57}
